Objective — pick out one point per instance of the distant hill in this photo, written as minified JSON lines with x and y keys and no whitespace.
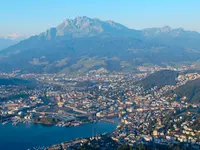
{"x":191,"y":90}
{"x":83,"y":44}
{"x":159,"y":79}
{"x":173,"y":37}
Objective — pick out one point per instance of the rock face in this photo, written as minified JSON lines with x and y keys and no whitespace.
{"x":86,"y":27}
{"x":83,"y":44}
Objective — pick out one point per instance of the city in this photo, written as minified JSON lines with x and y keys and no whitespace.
{"x":142,"y":116}
{"x":99,"y":75}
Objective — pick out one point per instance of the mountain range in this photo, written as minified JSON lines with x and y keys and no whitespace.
{"x":83,"y":44}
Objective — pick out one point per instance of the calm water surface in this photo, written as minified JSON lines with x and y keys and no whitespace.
{"x":24,"y":136}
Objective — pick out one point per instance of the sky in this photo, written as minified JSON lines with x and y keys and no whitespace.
{"x":32,"y":17}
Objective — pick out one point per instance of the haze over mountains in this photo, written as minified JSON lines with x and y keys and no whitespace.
{"x":85,"y":44}
{"x":10,"y":40}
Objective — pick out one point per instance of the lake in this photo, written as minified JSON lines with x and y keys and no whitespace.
{"x":25,"y":136}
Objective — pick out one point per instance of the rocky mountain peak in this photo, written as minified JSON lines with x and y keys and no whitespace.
{"x":83,"y":26}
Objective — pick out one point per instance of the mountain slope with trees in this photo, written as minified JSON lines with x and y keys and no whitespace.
{"x":159,"y":79}
{"x":191,"y":90}
{"x":83,"y":44}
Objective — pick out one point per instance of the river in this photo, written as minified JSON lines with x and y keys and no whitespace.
{"x":25,"y":136}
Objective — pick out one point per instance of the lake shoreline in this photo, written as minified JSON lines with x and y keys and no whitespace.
{"x":25,"y":136}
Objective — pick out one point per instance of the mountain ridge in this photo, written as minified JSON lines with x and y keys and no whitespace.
{"x":83,"y":44}
{"x":85,"y":27}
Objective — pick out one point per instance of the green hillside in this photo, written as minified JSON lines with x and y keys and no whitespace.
{"x":159,"y":79}
{"x":191,"y":90}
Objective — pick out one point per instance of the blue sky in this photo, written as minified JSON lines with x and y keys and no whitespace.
{"x":35,"y":16}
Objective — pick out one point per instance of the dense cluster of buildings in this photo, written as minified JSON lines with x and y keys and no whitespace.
{"x":144,"y":115}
